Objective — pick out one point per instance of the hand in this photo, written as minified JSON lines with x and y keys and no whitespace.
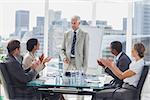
{"x":35,"y":64}
{"x":99,"y":63}
{"x":107,"y":62}
{"x":41,"y":57}
{"x":47,"y":59}
{"x":66,"y":61}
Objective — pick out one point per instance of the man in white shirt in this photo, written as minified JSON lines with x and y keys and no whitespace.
{"x":121,"y":60}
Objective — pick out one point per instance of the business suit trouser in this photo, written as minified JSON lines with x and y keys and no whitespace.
{"x":114,"y":94}
{"x":33,"y":94}
{"x":72,"y":65}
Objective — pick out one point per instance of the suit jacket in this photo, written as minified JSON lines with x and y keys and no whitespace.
{"x":19,"y":78}
{"x":123,"y":64}
{"x":81,"y":48}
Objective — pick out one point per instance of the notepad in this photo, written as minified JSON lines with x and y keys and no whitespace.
{"x":92,"y":81}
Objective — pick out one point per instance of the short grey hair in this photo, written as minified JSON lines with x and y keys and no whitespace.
{"x":76,"y":17}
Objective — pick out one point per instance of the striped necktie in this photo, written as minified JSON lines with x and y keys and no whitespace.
{"x":73,"y":44}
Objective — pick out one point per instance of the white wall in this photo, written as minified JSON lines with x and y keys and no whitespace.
{"x":95,"y":42}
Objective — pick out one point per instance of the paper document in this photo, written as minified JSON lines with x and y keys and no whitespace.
{"x":92,"y":80}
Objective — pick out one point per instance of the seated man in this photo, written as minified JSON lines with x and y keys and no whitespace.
{"x":130,"y":77}
{"x":122,"y":61}
{"x":19,"y":78}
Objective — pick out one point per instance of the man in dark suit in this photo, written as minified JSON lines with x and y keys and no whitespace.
{"x":122,"y":62}
{"x":19,"y":78}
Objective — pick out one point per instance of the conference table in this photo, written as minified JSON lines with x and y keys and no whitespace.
{"x":73,"y":83}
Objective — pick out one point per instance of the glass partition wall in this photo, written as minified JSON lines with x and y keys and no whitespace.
{"x":105,"y":21}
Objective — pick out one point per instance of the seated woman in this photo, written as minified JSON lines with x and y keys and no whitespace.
{"x":130,"y":77}
{"x":32,"y":46}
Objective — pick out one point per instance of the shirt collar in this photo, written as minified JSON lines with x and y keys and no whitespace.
{"x":17,"y":59}
{"x":117,"y":57}
{"x":77,"y":31}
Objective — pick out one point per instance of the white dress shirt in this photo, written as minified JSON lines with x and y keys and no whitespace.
{"x":117,"y":57}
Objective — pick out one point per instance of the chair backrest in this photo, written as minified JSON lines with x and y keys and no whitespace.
{"x":6,"y":81}
{"x":142,"y":79}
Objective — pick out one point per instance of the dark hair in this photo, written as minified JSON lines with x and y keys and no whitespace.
{"x":31,"y":43}
{"x":117,"y":46}
{"x":140,"y":48}
{"x":12,"y":45}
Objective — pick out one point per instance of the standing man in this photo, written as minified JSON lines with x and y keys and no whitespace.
{"x":75,"y":47}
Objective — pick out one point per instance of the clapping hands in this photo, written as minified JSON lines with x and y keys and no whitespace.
{"x":47,"y":59}
{"x":43,"y":59}
{"x":106,"y":62}
{"x":100,"y":63}
{"x":35,"y":64}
